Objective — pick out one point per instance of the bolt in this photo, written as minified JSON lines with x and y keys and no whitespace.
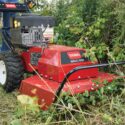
{"x":97,"y":85}
{"x":51,"y":78}
{"x":79,"y":77}
{"x":92,"y":88}
{"x":78,"y":87}
{"x":43,"y":100}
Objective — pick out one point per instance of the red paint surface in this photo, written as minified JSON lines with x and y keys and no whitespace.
{"x":45,"y":89}
{"x":50,"y":64}
{"x":53,"y":72}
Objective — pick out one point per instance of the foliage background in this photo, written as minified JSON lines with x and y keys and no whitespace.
{"x":97,"y":25}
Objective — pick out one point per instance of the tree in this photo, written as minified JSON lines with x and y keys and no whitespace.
{"x":93,"y":24}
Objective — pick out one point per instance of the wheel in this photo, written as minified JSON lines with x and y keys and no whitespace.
{"x":11,"y":71}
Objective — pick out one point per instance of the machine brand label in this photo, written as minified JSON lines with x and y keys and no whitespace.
{"x":74,"y":55}
{"x":13,"y":6}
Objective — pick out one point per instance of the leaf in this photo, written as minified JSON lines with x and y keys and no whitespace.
{"x":107,"y":118}
{"x":92,"y":99}
{"x":86,"y":94}
{"x":97,"y":33}
{"x":70,"y":106}
{"x":16,"y":122}
{"x":30,"y":103}
{"x":48,"y":120}
{"x":25,"y":100}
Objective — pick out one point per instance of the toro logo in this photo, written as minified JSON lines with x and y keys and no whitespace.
{"x":74,"y":55}
{"x":10,"y":5}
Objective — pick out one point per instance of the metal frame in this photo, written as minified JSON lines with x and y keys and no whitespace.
{"x":19,"y":7}
{"x":58,"y":92}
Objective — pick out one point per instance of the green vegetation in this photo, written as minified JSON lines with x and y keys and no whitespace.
{"x":103,"y":107}
{"x":98,"y":26}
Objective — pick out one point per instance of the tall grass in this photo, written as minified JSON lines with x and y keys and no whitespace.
{"x":105,"y":106}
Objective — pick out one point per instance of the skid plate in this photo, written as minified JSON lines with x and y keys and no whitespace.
{"x":45,"y":89}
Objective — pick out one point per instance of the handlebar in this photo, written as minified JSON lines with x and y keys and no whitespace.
{"x":58,"y":92}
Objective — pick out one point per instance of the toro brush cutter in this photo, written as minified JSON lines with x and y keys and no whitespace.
{"x":54,"y":68}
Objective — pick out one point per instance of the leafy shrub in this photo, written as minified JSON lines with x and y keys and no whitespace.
{"x":93,"y":24}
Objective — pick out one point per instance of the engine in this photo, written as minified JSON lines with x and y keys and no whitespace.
{"x":32,"y":30}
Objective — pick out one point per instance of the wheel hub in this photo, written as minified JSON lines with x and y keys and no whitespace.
{"x":3,"y":73}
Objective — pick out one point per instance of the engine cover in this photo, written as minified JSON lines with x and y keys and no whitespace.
{"x":57,"y":61}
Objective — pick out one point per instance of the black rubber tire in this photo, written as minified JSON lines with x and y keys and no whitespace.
{"x":14,"y":70}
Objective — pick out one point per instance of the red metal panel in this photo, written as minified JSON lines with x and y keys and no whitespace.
{"x":26,"y":59}
{"x":50,"y":65}
{"x":45,"y":89}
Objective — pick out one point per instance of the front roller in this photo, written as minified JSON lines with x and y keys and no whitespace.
{"x":11,"y":71}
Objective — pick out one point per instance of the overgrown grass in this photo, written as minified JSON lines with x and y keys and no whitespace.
{"x":8,"y":103}
{"x":96,"y":108}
